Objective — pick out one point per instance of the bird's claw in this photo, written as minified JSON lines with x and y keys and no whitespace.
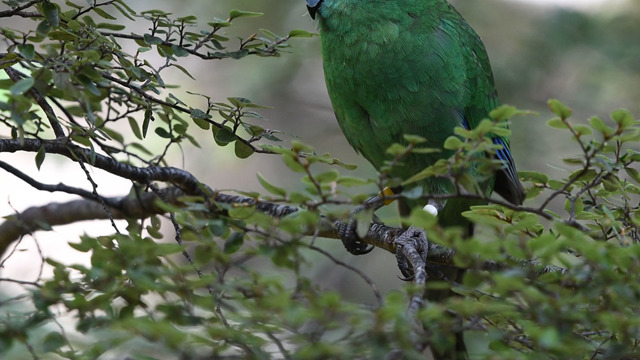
{"x":417,"y":238}
{"x":350,"y":240}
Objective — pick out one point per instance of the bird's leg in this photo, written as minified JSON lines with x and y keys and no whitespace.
{"x":349,"y":236}
{"x":348,"y":230}
{"x":417,"y":239}
{"x":412,"y":247}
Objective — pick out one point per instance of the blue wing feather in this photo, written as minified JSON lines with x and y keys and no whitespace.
{"x":507,"y":182}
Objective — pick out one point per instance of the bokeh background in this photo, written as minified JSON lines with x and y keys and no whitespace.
{"x":584,"y":53}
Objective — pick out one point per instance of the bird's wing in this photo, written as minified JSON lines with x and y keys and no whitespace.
{"x":483,"y":99}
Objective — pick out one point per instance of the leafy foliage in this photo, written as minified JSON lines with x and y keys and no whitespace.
{"x":234,"y":283}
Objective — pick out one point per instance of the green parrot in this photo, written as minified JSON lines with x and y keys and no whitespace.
{"x":395,"y":67}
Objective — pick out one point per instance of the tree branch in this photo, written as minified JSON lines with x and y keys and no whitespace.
{"x":16,"y":76}
{"x":146,"y":204}
{"x":179,"y":177}
{"x":18,"y":9}
{"x":49,"y":187}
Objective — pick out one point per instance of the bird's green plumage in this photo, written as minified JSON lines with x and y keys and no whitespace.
{"x":395,"y":67}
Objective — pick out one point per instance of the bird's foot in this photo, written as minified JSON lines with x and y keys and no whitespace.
{"x":415,"y":240}
{"x":348,"y":232}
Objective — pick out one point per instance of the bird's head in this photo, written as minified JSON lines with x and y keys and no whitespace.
{"x":312,"y":6}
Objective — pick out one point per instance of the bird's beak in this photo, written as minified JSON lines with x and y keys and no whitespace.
{"x":312,"y":6}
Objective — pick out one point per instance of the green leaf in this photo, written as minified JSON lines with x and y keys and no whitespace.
{"x":199,"y":114}
{"x":40,"y":156}
{"x":560,"y":109}
{"x":243,"y":150}
{"x":578,"y":206}
{"x":163,"y":133}
{"x":269,"y":34}
{"x":75,"y":6}
{"x":27,"y":51}
{"x":103,"y":13}
{"x":283,"y":150}
{"x":8,"y":60}
{"x":582,"y":129}
{"x":634,"y":174}
{"x":84,"y":140}
{"x":327,"y":177}
{"x":348,"y":181}
{"x":224,"y":135}
{"x":426,"y":173}
{"x":425,"y":150}
{"x":43,"y":28}
{"x":22,"y":86}
{"x":88,"y":84}
{"x":126,"y":7}
{"x":299,"y":146}
{"x":599,"y":125}
{"x":50,"y":12}
{"x":180,"y":128}
{"x":574,"y":160}
{"x":241,"y":102}
{"x":300,"y":33}
{"x":233,"y":243}
{"x":189,"y":19}
{"x":555,"y":184}
{"x":501,"y":131}
{"x":557,"y":123}
{"x":219,"y":23}
{"x":278,"y":191}
{"x":179,"y":51}
{"x":396,"y":149}
{"x":152,"y":40}
{"x":148,"y":116}
{"x":62,"y":35}
{"x":164,"y":249}
{"x":292,"y":163}
{"x":110,"y":26}
{"x":414,"y":139}
{"x":201,"y":123}
{"x":133,"y":124}
{"x":53,"y":341}
{"x":89,"y":21}
{"x":184,"y":71}
{"x":234,"y":14}
{"x":343,"y":165}
{"x":623,"y":118}
{"x":453,"y":143}
{"x":503,"y":112}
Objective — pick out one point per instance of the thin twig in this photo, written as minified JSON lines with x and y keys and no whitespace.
{"x":364,"y":276}
{"x":16,"y":76}
{"x":21,"y":282}
{"x":94,"y":186}
{"x":60,"y":187}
